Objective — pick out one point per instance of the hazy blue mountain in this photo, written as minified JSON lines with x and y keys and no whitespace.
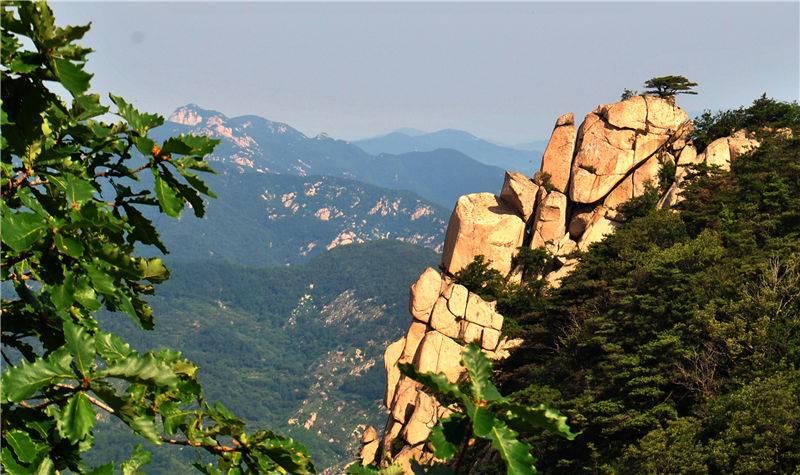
{"x":441,"y":175}
{"x":253,"y":143}
{"x":305,"y":343}
{"x":535,"y":145}
{"x":271,"y":219}
{"x":484,"y":151}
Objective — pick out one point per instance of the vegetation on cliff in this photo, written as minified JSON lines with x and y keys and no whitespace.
{"x":675,"y":345}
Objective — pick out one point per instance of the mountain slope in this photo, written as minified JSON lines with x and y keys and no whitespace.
{"x":306,"y":343}
{"x":484,"y":151}
{"x":257,"y":144}
{"x":268,"y":219}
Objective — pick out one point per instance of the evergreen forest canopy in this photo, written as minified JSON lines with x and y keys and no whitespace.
{"x":673,"y":347}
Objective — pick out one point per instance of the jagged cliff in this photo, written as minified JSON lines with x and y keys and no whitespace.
{"x":587,"y":173}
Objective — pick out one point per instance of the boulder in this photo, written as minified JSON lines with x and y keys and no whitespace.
{"x":557,"y":158}
{"x":422,"y":420}
{"x":457,"y":299}
{"x":404,"y":398}
{"x":671,"y":197}
{"x":549,"y":223}
{"x":483,"y":313}
{"x":439,"y":354}
{"x":718,"y":153}
{"x":628,"y":114}
{"x":519,"y":192}
{"x":605,"y":155}
{"x":368,"y":452}
{"x":482,"y":224}
{"x":647,"y":173}
{"x":424,"y":293}
{"x":740,"y":143}
{"x":413,"y":336}
{"x":578,"y":224}
{"x":597,"y":229}
{"x":554,"y":278}
{"x":390,"y":433}
{"x":390,"y":358}
{"x":620,"y":194}
{"x":664,"y":116}
{"x":686,"y":159}
{"x":490,"y":338}
{"x":443,"y":320}
{"x":470,"y":332}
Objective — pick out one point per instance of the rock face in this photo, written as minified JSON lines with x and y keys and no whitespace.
{"x":482,"y":224}
{"x":614,"y":139}
{"x":557,"y":159}
{"x":616,"y":154}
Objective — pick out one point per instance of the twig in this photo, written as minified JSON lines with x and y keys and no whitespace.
{"x":212,"y":448}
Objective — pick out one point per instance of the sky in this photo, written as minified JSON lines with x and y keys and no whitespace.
{"x":503,"y":71}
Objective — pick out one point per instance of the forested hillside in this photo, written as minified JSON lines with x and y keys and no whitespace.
{"x":295,"y":348}
{"x":263,"y":219}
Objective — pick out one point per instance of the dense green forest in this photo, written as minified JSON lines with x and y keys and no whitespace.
{"x":259,"y":334}
{"x":674,"y":347}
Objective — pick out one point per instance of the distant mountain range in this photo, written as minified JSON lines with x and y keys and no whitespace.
{"x":269,"y":219}
{"x":257,"y":144}
{"x":409,"y":140}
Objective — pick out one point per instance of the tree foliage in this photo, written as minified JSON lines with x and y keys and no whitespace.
{"x":74,"y":189}
{"x":478,"y":410}
{"x":669,"y":86}
{"x":675,"y":344}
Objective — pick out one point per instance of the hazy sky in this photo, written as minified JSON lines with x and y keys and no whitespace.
{"x":503,"y":71}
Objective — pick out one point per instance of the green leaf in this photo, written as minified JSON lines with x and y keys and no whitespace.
{"x":144,"y":426}
{"x":80,"y":345}
{"x":139,"y":121}
{"x":76,"y":419}
{"x":176,"y":145}
{"x":438,"y":383}
{"x":10,"y":464}
{"x":139,"y":458}
{"x":515,"y":453}
{"x":21,"y":230}
{"x":480,"y":373}
{"x":525,"y":418}
{"x":167,"y":197}
{"x":73,"y":77}
{"x":153,"y":270}
{"x":62,"y":295}
{"x":24,"y":447}
{"x":68,"y":245}
{"x":112,"y":348}
{"x":85,"y":294}
{"x":482,"y":420}
{"x":448,"y":435}
{"x":142,"y":369}
{"x":101,"y":279}
{"x":46,"y":467}
{"x":143,"y":229}
{"x":287,"y":453}
{"x":76,"y":189}
{"x":22,"y":381}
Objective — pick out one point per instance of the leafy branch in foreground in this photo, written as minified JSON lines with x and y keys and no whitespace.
{"x":480,"y":411}
{"x":74,"y":191}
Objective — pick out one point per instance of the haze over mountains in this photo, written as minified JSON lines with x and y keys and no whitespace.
{"x":406,"y":140}
{"x":261,"y":145}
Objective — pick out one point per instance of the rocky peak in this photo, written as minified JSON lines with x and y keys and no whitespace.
{"x":586,"y":174}
{"x":192,"y":115}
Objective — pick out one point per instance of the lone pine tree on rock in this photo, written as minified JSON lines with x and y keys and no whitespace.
{"x":669,"y":86}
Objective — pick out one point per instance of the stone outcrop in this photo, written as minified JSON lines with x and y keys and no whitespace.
{"x":520,"y":192}
{"x":574,"y":200}
{"x":557,"y":158}
{"x":482,"y":224}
